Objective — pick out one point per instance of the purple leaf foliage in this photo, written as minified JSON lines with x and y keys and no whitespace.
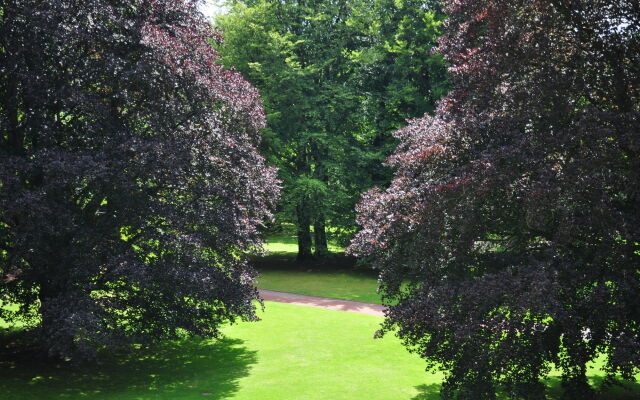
{"x":514,"y":214}
{"x":131,"y":189}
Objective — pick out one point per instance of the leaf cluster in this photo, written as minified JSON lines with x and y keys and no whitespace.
{"x":513,"y":211}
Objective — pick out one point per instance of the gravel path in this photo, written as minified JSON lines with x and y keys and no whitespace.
{"x":323,"y":302}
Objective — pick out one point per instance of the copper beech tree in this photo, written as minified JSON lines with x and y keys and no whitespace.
{"x":514,"y":214}
{"x":130,"y":184}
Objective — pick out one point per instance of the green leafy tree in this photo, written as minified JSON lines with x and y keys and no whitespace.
{"x":336,"y":78}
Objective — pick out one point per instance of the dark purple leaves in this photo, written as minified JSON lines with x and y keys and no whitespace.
{"x":514,"y":210}
{"x":130,"y":183}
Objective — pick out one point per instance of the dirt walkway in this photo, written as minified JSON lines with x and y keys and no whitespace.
{"x":323,"y":302}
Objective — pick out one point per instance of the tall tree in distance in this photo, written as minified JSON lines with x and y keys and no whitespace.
{"x":397,"y":73}
{"x":336,"y":80}
{"x":130,"y":184}
{"x":513,"y":212}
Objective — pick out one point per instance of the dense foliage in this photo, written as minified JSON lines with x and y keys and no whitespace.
{"x":514,"y":211}
{"x":130,"y":184}
{"x":337,"y":77}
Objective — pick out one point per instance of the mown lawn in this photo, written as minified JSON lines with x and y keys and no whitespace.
{"x":339,"y":284}
{"x":332,"y":277}
{"x":286,"y":243}
{"x":294,"y":353}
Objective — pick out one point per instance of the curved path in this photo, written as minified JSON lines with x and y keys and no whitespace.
{"x":323,"y":302}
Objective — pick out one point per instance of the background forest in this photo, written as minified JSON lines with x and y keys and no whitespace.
{"x":337,"y":78}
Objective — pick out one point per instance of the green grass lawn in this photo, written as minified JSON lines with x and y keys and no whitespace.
{"x":286,"y":243}
{"x":340,"y":284}
{"x":294,"y":353}
{"x":332,"y":277}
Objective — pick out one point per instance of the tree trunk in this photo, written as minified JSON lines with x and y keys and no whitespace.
{"x":304,"y":233}
{"x":576,"y":385}
{"x":321,"y":156}
{"x":320,"y":236}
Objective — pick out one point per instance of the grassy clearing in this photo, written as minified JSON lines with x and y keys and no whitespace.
{"x":294,"y":353}
{"x":281,"y":244}
{"x":333,"y":277}
{"x":340,"y":284}
{"x":286,"y":243}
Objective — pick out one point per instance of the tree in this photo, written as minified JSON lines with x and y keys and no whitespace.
{"x":513,"y":212}
{"x":335,"y":80}
{"x":397,"y":73}
{"x":130,"y":184}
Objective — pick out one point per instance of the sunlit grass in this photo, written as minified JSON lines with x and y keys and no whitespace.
{"x":295,"y":352}
{"x":286,"y":242}
{"x":332,"y":277}
{"x":340,"y":284}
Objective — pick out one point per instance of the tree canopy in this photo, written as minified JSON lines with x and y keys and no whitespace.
{"x":130,"y":185}
{"x":337,"y":77}
{"x":513,"y":211}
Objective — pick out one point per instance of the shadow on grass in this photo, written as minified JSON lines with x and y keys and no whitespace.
{"x":188,"y":369}
{"x":428,"y":392}
{"x":332,"y":262}
{"x":624,"y":391}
